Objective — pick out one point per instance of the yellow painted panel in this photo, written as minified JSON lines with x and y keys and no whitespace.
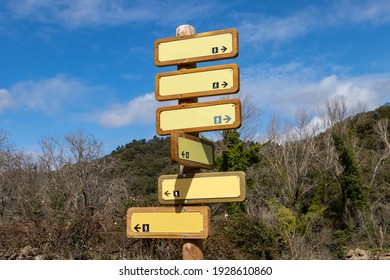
{"x":195,"y":47}
{"x":228,"y":186}
{"x":168,"y":222}
{"x":200,"y":47}
{"x":196,"y":82}
{"x":195,"y":151}
{"x":180,"y":222}
{"x":214,"y":115}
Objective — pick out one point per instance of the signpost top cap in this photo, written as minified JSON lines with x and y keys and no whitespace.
{"x":184,"y":30}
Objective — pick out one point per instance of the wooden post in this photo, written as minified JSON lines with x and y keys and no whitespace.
{"x":192,"y":248}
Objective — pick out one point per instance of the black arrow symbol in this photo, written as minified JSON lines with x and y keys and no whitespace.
{"x":167,"y":193}
{"x":227,"y":119}
{"x":137,"y":228}
{"x":224,"y":49}
{"x":185,"y":154}
{"x":224,"y":84}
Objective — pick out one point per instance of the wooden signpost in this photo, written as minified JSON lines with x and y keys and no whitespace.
{"x":192,"y":151}
{"x":197,"y":82}
{"x":196,"y":117}
{"x":198,"y":188}
{"x":200,"y":47}
{"x":168,"y":222}
{"x":183,"y":122}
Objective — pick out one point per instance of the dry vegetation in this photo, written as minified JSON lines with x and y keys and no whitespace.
{"x":314,"y":191}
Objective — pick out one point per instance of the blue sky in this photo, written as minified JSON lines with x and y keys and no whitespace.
{"x":88,"y":65}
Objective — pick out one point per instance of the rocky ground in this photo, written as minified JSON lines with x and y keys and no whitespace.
{"x":30,"y":253}
{"x":26,"y":253}
{"x":359,"y":254}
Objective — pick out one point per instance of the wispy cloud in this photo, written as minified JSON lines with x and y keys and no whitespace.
{"x":141,"y":110}
{"x":130,"y":77}
{"x":48,"y":96}
{"x":5,"y":100}
{"x":350,"y":12}
{"x":78,"y":13}
{"x":260,"y":28}
{"x":81,"y":13}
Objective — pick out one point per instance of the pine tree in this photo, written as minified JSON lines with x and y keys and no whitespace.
{"x":236,"y":158}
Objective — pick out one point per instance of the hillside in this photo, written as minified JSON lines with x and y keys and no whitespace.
{"x":310,"y":195}
{"x":142,"y":162}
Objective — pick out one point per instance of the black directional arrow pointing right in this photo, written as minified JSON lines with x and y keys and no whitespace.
{"x":224,"y":84}
{"x":224,"y":49}
{"x":137,"y":228}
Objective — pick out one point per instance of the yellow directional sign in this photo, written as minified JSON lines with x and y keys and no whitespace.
{"x":192,"y":151}
{"x":213,"y":187}
{"x":197,"y":117}
{"x":197,"y":82}
{"x":168,"y":222}
{"x":214,"y":45}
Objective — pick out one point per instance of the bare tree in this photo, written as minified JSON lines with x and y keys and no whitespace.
{"x":375,"y":224}
{"x":381,"y":129}
{"x":251,"y":116}
{"x":289,"y":151}
{"x":77,"y":170}
{"x":336,"y":112}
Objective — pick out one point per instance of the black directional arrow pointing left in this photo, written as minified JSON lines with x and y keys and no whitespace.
{"x":167,"y":193}
{"x":137,"y":228}
{"x":185,"y":154}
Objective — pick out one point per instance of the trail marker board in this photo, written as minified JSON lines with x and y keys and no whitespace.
{"x":168,"y":222}
{"x":192,"y":151}
{"x":209,"y":187}
{"x":197,"y":117}
{"x":197,"y":82}
{"x":214,"y":45}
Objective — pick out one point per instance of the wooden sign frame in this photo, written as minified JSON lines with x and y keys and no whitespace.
{"x":187,"y":114}
{"x":175,"y":217}
{"x":197,"y":82}
{"x":186,"y":158}
{"x":205,"y":45}
{"x":198,"y":188}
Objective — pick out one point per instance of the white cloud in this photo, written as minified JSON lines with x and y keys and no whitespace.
{"x":77,"y":13}
{"x":128,"y":76}
{"x":265,"y":28}
{"x":375,"y":12}
{"x":80,"y":13}
{"x":284,"y":89}
{"x":259,"y":28}
{"x":284,"y":95}
{"x":371,"y":90}
{"x":5,"y":100}
{"x":48,"y":95}
{"x":59,"y":95}
{"x":140,"y":110}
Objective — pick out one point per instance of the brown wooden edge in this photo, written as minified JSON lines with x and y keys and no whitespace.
{"x":233,"y":54}
{"x":211,"y":92}
{"x":175,"y":156}
{"x":241,"y":198}
{"x":236,"y":124}
{"x":203,"y":209}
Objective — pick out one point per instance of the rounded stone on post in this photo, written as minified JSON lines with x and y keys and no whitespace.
{"x":185,"y":29}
